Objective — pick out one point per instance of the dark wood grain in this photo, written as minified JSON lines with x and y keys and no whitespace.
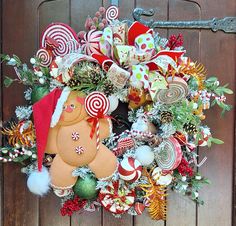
{"x":87,"y":218}
{"x":1,"y":167}
{"x":20,"y":207}
{"x":218,"y":54}
{"x":80,"y":9}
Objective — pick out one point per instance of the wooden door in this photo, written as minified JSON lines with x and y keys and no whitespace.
{"x":21,"y":24}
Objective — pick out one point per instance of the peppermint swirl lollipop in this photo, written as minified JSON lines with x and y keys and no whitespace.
{"x":45,"y":57}
{"x":170,"y":156}
{"x":178,"y":89}
{"x":96,"y":102}
{"x":96,"y":105}
{"x":112,"y":13}
{"x":64,"y":35}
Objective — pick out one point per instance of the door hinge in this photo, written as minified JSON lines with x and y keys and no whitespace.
{"x":227,"y":24}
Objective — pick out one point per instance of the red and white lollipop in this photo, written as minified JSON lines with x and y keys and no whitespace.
{"x":64,"y":35}
{"x":130,"y":169}
{"x":112,"y":13}
{"x":45,"y":57}
{"x":97,"y":106}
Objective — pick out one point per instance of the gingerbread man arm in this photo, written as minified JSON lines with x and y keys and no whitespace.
{"x":51,"y":147}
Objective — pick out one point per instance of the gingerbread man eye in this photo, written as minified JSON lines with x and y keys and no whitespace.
{"x":64,"y":108}
{"x":72,"y":106}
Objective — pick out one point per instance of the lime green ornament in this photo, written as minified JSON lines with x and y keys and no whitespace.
{"x":85,"y":188}
{"x":38,"y":92}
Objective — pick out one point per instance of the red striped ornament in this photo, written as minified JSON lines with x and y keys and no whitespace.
{"x":130,"y":169}
{"x":139,"y":207}
{"x":90,"y":43}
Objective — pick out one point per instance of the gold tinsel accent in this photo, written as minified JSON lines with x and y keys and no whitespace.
{"x":195,"y":70}
{"x":17,"y":134}
{"x":156,"y":194}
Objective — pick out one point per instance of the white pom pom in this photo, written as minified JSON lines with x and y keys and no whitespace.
{"x":39,"y":182}
{"x":144,"y":155}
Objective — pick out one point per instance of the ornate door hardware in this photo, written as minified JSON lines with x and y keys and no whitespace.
{"x":227,"y":24}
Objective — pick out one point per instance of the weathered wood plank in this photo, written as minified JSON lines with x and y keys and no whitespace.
{"x":181,"y":210}
{"x":1,"y":167}
{"x":218,"y":54}
{"x":219,"y":167}
{"x":49,"y":12}
{"x":80,"y":11}
{"x":49,"y":212}
{"x":87,"y":218}
{"x":20,"y":207}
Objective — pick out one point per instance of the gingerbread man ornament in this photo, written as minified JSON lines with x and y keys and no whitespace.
{"x":70,"y":139}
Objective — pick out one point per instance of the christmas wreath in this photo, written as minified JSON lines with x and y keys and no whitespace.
{"x":75,"y":90}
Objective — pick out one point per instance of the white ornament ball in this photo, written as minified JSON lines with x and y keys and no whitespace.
{"x":41,"y":80}
{"x":144,"y":155}
{"x":130,"y":169}
{"x":32,"y":60}
{"x":114,"y":102}
{"x":161,"y":179}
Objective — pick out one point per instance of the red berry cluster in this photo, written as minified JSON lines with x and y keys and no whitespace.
{"x":96,"y":23}
{"x":175,"y":42}
{"x":184,"y":168}
{"x":71,"y":206}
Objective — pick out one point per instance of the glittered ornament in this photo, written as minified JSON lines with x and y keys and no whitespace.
{"x":166,"y":117}
{"x":144,"y":155}
{"x":38,"y":93}
{"x":85,"y":187}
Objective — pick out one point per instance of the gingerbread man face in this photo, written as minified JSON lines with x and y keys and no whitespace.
{"x":73,"y":109}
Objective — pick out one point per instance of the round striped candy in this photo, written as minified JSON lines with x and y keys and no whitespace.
{"x":117,"y":197}
{"x":178,"y":89}
{"x":64,"y":35}
{"x":45,"y":57}
{"x":96,"y":102}
{"x":130,"y":169}
{"x":170,"y":156}
{"x":91,"y":42}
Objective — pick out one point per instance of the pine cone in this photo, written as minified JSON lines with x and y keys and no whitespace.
{"x":108,"y":88}
{"x":73,"y":82}
{"x":190,"y":128}
{"x":166,"y":117}
{"x":95,"y":77}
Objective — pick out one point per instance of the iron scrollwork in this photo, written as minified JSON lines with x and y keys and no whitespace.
{"x":227,"y":24}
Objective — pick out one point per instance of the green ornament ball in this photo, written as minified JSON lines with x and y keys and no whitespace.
{"x":38,"y":93}
{"x":85,"y":188}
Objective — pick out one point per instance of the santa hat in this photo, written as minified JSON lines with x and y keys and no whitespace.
{"x":47,"y":112}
